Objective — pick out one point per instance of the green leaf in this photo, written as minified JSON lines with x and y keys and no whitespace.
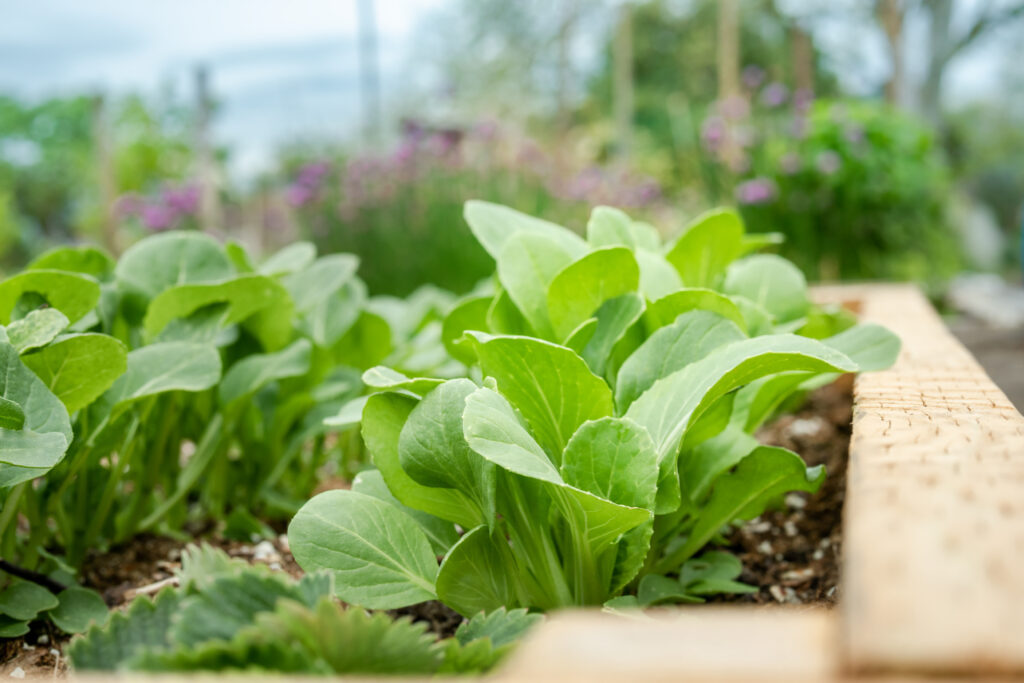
{"x":581,"y":336}
{"x":493,"y":430}
{"x":380,"y":557}
{"x":79,"y":609}
{"x":78,"y":368}
{"x":872,"y":347}
{"x":666,"y":310}
{"x":85,"y":260}
{"x":655,"y":589}
{"x":244,"y":295}
{"x":613,"y":458}
{"x":504,"y":318}
{"x":580,"y":288}
{"x":501,"y":626}
{"x":440,"y":533}
{"x":173,"y":258}
{"x":707,"y":245}
{"x":24,"y":600}
{"x":72,"y":294}
{"x":145,"y":625}
{"x":313,"y":286}
{"x":327,"y":322}
{"x":383,"y":418}
{"x":658,"y":278}
{"x":713,"y":572}
{"x":366,"y":343}
{"x":12,"y":628}
{"x":434,"y":452}
{"x":494,"y":225}
{"x":760,"y":478}
{"x":527,"y":265}
{"x":691,"y":337}
{"x":469,"y":314}
{"x":771,"y":282}
{"x":252,"y":373}
{"x":167,"y":366}
{"x":291,"y":259}
{"x":609,"y":227}
{"x":36,"y":329}
{"x":11,"y":415}
{"x":550,"y":386}
{"x":759,"y":240}
{"x":475,"y":575}
{"x":384,"y":378}
{"x":700,"y":466}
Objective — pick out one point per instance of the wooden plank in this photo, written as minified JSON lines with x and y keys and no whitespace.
{"x":933,"y":568}
{"x":689,"y":644}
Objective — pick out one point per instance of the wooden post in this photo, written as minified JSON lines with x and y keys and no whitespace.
{"x":890,"y":14}
{"x":728,"y":48}
{"x":206,"y":171}
{"x":622,"y":56}
{"x":565,"y":63}
{"x":368,"y":70}
{"x":803,"y":58}
{"x":106,"y":173}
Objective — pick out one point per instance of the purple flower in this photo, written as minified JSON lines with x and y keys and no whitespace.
{"x":734,"y":107}
{"x":774,"y":95}
{"x":313,"y":173}
{"x":790,"y":163}
{"x":129,"y":205}
{"x":756,"y":191}
{"x":753,"y":76}
{"x":298,"y":195}
{"x":181,"y":201}
{"x":157,"y":217}
{"x":802,"y":100}
{"x":828,"y":162}
{"x":712,"y":132}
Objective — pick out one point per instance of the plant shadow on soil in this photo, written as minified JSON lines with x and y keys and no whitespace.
{"x":791,"y":554}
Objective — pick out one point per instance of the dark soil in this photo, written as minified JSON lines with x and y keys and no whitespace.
{"x":440,"y":620}
{"x":793,"y":554}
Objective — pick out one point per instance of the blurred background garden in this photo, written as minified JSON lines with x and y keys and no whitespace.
{"x":883,"y":138}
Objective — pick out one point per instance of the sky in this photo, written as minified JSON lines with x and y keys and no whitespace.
{"x":283,"y":70}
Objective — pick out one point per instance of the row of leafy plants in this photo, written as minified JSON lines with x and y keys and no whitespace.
{"x":577,"y":431}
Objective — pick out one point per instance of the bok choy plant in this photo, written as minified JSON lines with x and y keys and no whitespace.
{"x":181,"y":382}
{"x":608,"y":438}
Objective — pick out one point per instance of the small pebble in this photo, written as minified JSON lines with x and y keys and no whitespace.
{"x":825,"y":542}
{"x":55,"y":652}
{"x":765,"y":548}
{"x":818,"y":554}
{"x":802,"y":427}
{"x":282,"y":542}
{"x":43,"y":639}
{"x":832,"y":591}
{"x":790,"y":528}
{"x":25,"y":646}
{"x":18,"y":673}
{"x":759,"y":527}
{"x":276,"y":566}
{"x":265,"y":550}
{"x":795,"y":500}
{"x":779,"y":557}
{"x":798,"y":574}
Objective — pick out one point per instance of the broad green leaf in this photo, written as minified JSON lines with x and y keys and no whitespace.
{"x":12,"y":628}
{"x":433,"y":450}
{"x":707,"y":245}
{"x":312,"y":286}
{"x":667,"y":408}
{"x":469,"y":314}
{"x":85,"y":260}
{"x":24,"y":600}
{"x":756,"y":402}
{"x":658,"y":278}
{"x":72,"y":294}
{"x":350,"y":414}
{"x":691,"y":337}
{"x":493,"y":430}
{"x":501,"y":626}
{"x":759,"y":240}
{"x":291,"y":259}
{"x":476,"y":575}
{"x":581,"y":336}
{"x":760,"y":478}
{"x":526,"y":267}
{"x":244,"y":295}
{"x":613,"y":458}
{"x":655,"y":589}
{"x":207,"y":325}
{"x":36,"y":329}
{"x":11,"y":415}
{"x":871,"y":347}
{"x":239,"y":257}
{"x":548,"y":384}
{"x":383,"y":418}
{"x":250,"y":374}
{"x":170,"y":259}
{"x":665,"y":310}
{"x":366,"y":343}
{"x":504,"y":318}
{"x":580,"y":288}
{"x":79,"y":609}
{"x":771,"y":282}
{"x":333,"y":316}
{"x":757,"y":319}
{"x":380,"y":557}
{"x":493,"y":225}
{"x":441,"y":534}
{"x":610,"y":227}
{"x":78,"y":368}
{"x":699,"y":467}
{"x":167,"y":366}
{"x":599,"y":521}
{"x":614,"y":318}
{"x":26,"y":454}
{"x":384,"y":378}
{"x":713,"y":572}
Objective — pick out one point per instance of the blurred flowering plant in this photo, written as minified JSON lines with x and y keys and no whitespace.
{"x":174,"y":207}
{"x":857,"y":188}
{"x":401,"y":210}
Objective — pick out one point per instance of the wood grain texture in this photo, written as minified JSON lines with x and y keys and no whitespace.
{"x":688,"y":644}
{"x":933,"y":561}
